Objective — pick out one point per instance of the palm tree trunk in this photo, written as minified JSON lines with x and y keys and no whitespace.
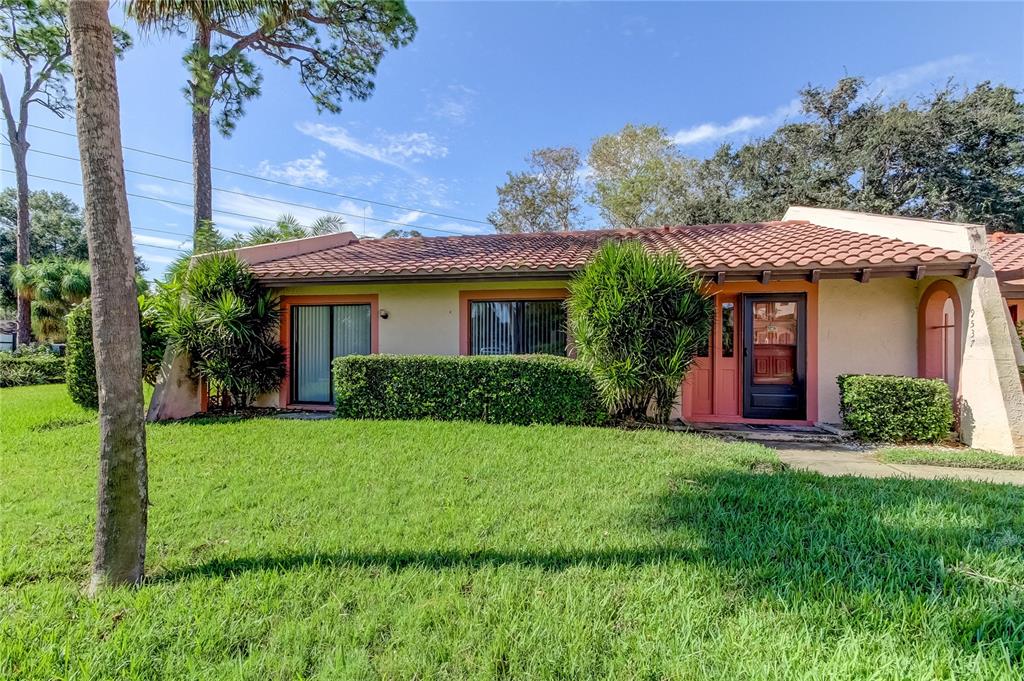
{"x":202,"y":183}
{"x":120,"y":543}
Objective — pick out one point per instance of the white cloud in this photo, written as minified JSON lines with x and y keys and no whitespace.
{"x":161,"y":242}
{"x":229,"y":211}
{"x":408,"y":217}
{"x":710,"y":132}
{"x":396,"y":149}
{"x":453,"y":104}
{"x":933,"y":72}
{"x":886,"y":86}
{"x":309,"y":171}
{"x":153,"y":188}
{"x":151,"y":258}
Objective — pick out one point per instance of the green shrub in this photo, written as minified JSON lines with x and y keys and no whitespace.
{"x":896,"y":408}
{"x":30,"y":365}
{"x":154,"y":342}
{"x":497,"y":389}
{"x":81,"y":361}
{"x":638,"y":320}
{"x":215,"y":313}
{"x":81,"y":358}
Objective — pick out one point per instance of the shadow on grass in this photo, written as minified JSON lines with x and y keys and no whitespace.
{"x":783,"y":530}
{"x":866,"y":547}
{"x":439,"y":559}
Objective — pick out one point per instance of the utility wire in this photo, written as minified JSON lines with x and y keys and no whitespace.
{"x":282,"y":183}
{"x":256,"y":197}
{"x":156,"y":199}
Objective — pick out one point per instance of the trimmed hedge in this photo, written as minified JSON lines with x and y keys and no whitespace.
{"x":499,"y":389}
{"x":81,"y":361}
{"x":30,"y":368}
{"x":896,"y":408}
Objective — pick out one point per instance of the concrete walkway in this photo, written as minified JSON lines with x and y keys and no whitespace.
{"x":836,"y":460}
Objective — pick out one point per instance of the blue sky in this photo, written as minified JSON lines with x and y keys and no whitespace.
{"x":484,"y":83}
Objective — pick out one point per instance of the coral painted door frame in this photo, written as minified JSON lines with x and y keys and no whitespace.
{"x":287,"y":303}
{"x":713,"y":390}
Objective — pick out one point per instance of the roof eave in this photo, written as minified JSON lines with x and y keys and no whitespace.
{"x":861,"y":272}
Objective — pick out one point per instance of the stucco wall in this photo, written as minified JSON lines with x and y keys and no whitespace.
{"x":423,"y":318}
{"x":864,"y":328}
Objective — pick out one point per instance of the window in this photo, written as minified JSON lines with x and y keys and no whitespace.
{"x":728,"y":328}
{"x":517,"y":327}
{"x":6,"y":342}
{"x":319,"y":334}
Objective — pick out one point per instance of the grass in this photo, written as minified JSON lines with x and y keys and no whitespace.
{"x":362,"y":550}
{"x":955,"y":458}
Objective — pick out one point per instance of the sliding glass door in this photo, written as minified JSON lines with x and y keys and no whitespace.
{"x":319,"y":334}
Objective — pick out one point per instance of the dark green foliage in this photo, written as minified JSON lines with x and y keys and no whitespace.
{"x":638,"y":320}
{"x":80,"y":358}
{"x":896,"y":408}
{"x":497,"y":389}
{"x":55,"y":230}
{"x":226,"y":323}
{"x":154,"y":342}
{"x":955,"y":154}
{"x":30,"y":365}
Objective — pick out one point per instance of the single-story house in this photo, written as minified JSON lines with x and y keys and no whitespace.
{"x":798,"y":302}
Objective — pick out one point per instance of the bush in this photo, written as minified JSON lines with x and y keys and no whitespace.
{"x":896,"y":408}
{"x":638,"y":320}
{"x":81,"y":358}
{"x":497,"y":389}
{"x":81,"y":361}
{"x":215,"y":313}
{"x":30,"y":365}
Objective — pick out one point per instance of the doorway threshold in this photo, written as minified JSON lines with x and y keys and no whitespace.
{"x":766,"y":432}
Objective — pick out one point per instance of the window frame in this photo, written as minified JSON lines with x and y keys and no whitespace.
{"x":295,"y":355}
{"x":467,"y":298}
{"x":518,"y":322}
{"x":285,"y":392}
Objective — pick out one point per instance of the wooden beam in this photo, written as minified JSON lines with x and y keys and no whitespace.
{"x":972,"y":271}
{"x":865,"y":275}
{"x":919,"y":272}
{"x":719,"y":278}
{"x":814,"y":277}
{"x":766,"y":277}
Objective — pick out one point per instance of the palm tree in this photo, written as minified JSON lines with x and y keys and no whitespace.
{"x":119,"y":551}
{"x":288,"y":227}
{"x":54,"y":286}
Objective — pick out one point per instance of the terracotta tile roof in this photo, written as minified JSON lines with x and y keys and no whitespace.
{"x":1006,"y":251}
{"x":793,"y":245}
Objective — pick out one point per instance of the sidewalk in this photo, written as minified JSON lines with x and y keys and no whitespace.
{"x":836,"y":460}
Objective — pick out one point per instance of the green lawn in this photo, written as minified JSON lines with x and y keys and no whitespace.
{"x":955,"y":458}
{"x":339,"y":549}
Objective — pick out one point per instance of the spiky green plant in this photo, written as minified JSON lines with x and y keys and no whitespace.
{"x":638,"y":320}
{"x":217,"y":314}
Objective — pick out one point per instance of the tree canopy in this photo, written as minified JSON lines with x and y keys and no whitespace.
{"x":545,"y":198}
{"x":55,"y":230}
{"x":956,"y":154}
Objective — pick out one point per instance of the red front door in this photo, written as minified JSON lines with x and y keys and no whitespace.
{"x":711,"y":389}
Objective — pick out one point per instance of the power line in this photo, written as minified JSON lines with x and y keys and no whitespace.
{"x":258,"y":198}
{"x":282,"y":183}
{"x":154,"y":198}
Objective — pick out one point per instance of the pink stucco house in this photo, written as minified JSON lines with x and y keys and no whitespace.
{"x":799,"y":301}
